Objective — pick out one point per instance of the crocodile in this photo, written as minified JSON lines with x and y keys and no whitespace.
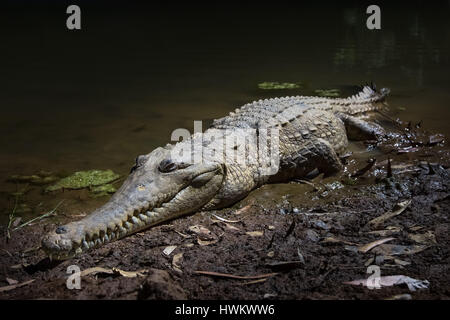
{"x":302,"y":133}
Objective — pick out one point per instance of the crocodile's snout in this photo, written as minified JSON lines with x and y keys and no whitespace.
{"x":55,"y":242}
{"x":56,"y":246}
{"x":158,"y":189}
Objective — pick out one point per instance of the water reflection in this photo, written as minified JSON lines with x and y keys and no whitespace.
{"x":409,"y":42}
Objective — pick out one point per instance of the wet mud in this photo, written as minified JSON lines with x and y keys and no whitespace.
{"x":300,"y":240}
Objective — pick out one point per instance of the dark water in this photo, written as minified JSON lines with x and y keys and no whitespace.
{"x":96,"y":98}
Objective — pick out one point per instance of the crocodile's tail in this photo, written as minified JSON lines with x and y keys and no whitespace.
{"x":368,"y":99}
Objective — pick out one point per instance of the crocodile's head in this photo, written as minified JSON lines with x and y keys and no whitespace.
{"x":157,"y":189}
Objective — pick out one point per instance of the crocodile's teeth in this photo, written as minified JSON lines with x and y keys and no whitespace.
{"x":128,"y":225}
{"x":151,"y":214}
{"x":143,"y":217}
{"x":106,"y":238}
{"x":135,"y":220}
{"x":159,"y":210}
{"x":85,"y":244}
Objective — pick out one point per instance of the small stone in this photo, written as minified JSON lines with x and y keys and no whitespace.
{"x":322,"y":225}
{"x":311,"y":235}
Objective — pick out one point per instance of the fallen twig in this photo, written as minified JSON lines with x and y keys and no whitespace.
{"x":14,"y":286}
{"x":223,"y":219}
{"x":254,"y":281}
{"x":45,"y":215}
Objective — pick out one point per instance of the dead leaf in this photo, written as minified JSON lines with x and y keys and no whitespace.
{"x":388,"y":281}
{"x":202,"y":233}
{"x":186,"y":236}
{"x":386,"y":232}
{"x":300,"y":256}
{"x":395,"y":250}
{"x":424,"y":238}
{"x":243,"y":209}
{"x":206,"y":242}
{"x":255,"y":233}
{"x":113,"y":271}
{"x":369,"y":261}
{"x":231,"y":227}
{"x":367,"y":247}
{"x":95,"y":270}
{"x":388,"y":215}
{"x":11,"y":281}
{"x":129,"y":274}
{"x":14,"y":286}
{"x":176,"y":262}
{"x":168,"y":250}
{"x":401,"y":262}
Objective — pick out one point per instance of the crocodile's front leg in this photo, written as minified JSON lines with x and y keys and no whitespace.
{"x":315,"y":154}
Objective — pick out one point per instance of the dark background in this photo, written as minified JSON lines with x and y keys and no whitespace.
{"x":137,"y":70}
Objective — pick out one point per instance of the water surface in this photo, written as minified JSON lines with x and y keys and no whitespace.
{"x":98,"y":97}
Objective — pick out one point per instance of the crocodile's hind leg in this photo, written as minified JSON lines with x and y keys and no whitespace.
{"x":358,"y":129}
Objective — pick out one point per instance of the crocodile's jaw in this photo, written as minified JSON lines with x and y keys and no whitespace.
{"x":146,"y":198}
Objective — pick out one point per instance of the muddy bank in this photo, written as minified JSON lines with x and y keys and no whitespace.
{"x":300,"y":240}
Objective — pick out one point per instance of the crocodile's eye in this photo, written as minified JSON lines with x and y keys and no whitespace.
{"x":139,"y":161}
{"x":167,"y":165}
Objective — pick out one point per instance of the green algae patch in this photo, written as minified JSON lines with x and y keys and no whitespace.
{"x":84,"y":179}
{"x":103,"y":190}
{"x":279,"y":85}
{"x":328,"y":92}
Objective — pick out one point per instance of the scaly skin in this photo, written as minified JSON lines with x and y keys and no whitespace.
{"x":167,"y":183}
